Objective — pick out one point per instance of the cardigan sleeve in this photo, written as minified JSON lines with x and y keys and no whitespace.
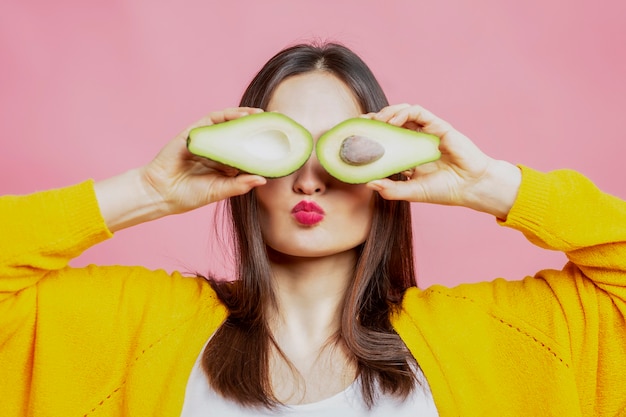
{"x":565,"y":211}
{"x":553,"y":343}
{"x":581,"y":309}
{"x":87,"y":331}
{"x":42,"y":232}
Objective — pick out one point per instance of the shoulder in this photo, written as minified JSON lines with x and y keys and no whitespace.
{"x":128,"y":294}
{"x":491,"y":315}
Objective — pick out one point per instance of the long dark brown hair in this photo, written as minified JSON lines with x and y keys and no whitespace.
{"x":236,"y":359}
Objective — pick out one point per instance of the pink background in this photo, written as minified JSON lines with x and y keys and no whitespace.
{"x":89,"y":89}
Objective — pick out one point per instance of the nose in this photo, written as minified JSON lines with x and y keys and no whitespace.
{"x":311,"y":178}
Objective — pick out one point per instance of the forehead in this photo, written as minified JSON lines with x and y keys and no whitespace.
{"x":316,"y":100}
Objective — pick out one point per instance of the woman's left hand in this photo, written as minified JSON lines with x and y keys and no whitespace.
{"x":463,"y":176}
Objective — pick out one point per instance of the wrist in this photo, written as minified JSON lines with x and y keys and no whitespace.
{"x":127,"y":200}
{"x":496,"y":191}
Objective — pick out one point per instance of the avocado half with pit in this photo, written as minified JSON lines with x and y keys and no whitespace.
{"x":268,"y":144}
{"x":360,"y":150}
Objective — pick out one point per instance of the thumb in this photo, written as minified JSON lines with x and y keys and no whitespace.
{"x":241,"y":184}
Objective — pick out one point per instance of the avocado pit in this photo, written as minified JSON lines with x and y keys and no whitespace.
{"x":360,"y":150}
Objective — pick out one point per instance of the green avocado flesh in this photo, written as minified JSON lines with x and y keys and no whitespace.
{"x":360,"y":150}
{"x":267,"y":144}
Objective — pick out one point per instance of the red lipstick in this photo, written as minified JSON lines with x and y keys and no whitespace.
{"x":307,"y":213}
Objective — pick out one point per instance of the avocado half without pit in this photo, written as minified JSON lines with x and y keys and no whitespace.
{"x":267,"y":144}
{"x":360,"y":150}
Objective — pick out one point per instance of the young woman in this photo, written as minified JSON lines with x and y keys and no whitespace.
{"x":324,"y":316}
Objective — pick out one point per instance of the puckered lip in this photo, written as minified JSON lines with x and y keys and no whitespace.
{"x":307,"y":206}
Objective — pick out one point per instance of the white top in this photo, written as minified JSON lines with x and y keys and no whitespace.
{"x":202,"y":401}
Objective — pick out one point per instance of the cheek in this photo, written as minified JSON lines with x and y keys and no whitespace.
{"x":269,"y":194}
{"x":268,"y":198}
{"x":361,"y":212}
{"x":368,"y":213}
{"x":361,"y":199}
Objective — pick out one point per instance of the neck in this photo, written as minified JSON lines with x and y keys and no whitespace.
{"x":310,"y":294}
{"x":310,"y":291}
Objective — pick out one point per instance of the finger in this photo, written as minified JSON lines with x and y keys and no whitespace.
{"x":397,"y":190}
{"x":213,"y":166}
{"x":427,"y":121}
{"x":390,"y":111}
{"x":208,"y":120}
{"x":222,"y":116}
{"x":227,"y":114}
{"x":242,"y":184}
{"x":237,"y":112}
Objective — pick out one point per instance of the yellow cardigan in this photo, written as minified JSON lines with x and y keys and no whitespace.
{"x":121,"y":341}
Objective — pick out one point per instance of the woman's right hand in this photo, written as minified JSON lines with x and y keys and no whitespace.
{"x":175,"y":181}
{"x":184,"y":181}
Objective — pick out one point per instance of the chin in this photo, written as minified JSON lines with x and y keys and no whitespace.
{"x":284,"y":254}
